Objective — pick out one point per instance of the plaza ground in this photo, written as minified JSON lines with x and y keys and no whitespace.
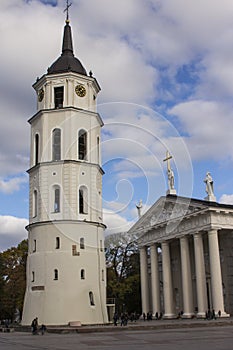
{"x":164,"y":335}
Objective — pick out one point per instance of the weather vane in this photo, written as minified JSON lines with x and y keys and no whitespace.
{"x":67,"y":10}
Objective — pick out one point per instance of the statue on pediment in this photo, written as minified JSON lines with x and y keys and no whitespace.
{"x":209,"y":184}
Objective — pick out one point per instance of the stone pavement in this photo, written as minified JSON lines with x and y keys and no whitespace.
{"x":163,"y":335}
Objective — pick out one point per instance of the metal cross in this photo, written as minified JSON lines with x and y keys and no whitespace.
{"x":167,"y":159}
{"x":67,"y":9}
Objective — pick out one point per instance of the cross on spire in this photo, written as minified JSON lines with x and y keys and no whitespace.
{"x":167,"y":159}
{"x":67,"y":10}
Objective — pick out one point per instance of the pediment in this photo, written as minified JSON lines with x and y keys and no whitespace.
{"x":168,"y":209}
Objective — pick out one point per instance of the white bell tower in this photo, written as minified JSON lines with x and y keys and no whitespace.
{"x":66,"y":274}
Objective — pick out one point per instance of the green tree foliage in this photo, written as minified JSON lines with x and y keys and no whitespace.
{"x":123,"y":275}
{"x":13,"y":280}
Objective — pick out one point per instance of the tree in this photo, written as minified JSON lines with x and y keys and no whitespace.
{"x":13,"y":280}
{"x":123,"y":275}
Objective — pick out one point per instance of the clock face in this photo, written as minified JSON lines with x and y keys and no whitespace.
{"x":80,"y":90}
{"x":40,"y":95}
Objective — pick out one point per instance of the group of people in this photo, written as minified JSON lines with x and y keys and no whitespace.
{"x":211,"y":315}
{"x":149,"y":316}
{"x":35,"y":327}
{"x":124,"y":318}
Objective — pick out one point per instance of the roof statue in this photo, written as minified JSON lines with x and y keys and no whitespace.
{"x":170,"y":175}
{"x":139,"y":207}
{"x":209,"y":187}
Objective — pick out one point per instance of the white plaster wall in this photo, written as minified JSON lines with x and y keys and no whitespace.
{"x":66,"y":299}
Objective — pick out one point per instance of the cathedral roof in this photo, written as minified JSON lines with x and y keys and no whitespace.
{"x":67,"y":62}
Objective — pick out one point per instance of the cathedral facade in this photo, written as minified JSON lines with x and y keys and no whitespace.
{"x":186,"y":257}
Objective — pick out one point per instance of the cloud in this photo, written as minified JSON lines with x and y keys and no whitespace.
{"x":12,"y":185}
{"x":206,"y":123}
{"x":115,"y":223}
{"x":12,"y":231}
{"x":226,"y":199}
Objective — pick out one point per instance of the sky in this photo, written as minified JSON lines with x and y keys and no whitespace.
{"x":165,"y":69}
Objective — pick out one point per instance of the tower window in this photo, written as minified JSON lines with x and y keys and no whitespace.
{"x":83,"y":200}
{"x":82,"y":145}
{"x":36,"y":149}
{"x":34,"y":246}
{"x":82,"y":274}
{"x":91,"y":297}
{"x":58,"y":96}
{"x":101,"y":245}
{"x":57,"y":242}
{"x":55,"y":274}
{"x":102,"y":272}
{"x":35,"y":203}
{"x":82,"y":245}
{"x":56,"y":144}
{"x":33,"y":276}
{"x":56,"y":200}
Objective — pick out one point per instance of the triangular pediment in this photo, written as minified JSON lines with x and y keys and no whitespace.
{"x":167,"y":209}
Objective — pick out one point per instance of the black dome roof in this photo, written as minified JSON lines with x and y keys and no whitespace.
{"x":67,"y":62}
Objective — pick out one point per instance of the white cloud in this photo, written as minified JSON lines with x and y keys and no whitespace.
{"x":226,"y":199}
{"x":12,"y":185}
{"x":114,"y":222}
{"x":209,"y":127}
{"x":12,"y":231}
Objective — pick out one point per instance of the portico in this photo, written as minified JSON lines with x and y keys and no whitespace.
{"x":186,"y":257}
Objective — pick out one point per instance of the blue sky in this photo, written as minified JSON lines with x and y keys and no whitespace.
{"x":166,"y":72}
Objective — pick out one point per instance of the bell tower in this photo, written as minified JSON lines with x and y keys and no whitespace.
{"x":66,"y":274}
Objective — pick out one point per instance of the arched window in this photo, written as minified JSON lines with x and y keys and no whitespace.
{"x":56,"y":144}
{"x":91,"y":297}
{"x":55,"y":274}
{"x":83,"y":203}
{"x":82,"y":145}
{"x":56,"y":204}
{"x":35,"y":204}
{"x":36,"y":149}
{"x":82,"y":274}
{"x":82,"y":245}
{"x":57,"y":242}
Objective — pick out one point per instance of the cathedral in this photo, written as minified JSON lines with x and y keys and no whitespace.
{"x":186,"y":255}
{"x":66,"y":274}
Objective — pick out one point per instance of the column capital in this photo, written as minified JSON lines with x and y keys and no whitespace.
{"x":153,"y":245}
{"x":213,"y":230}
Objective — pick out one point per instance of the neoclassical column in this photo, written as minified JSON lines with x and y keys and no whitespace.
{"x":155,"y":287}
{"x":144,"y":279}
{"x":186,"y":278}
{"x":200,"y":275}
{"x":215,"y":271}
{"x":167,"y":282}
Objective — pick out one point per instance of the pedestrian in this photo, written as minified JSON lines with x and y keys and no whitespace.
{"x":144,"y":316}
{"x":115,"y":318}
{"x":219,"y":313}
{"x":213,"y":315}
{"x":43,"y":329}
{"x":34,"y":326}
